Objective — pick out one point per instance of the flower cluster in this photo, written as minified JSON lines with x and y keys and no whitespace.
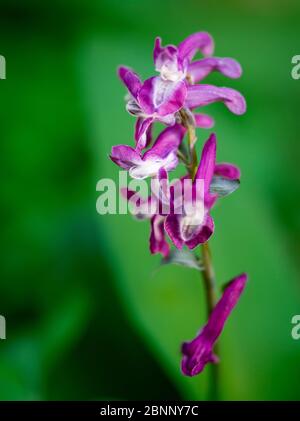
{"x":171,"y":98}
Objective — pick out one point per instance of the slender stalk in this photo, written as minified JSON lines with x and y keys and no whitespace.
{"x":208,"y":274}
{"x":211,"y":299}
{"x":209,"y":278}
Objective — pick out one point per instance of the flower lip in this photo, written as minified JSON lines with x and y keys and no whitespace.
{"x":150,"y":167}
{"x":190,"y":225}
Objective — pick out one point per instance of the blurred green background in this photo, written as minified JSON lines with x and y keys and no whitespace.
{"x":89,"y":314}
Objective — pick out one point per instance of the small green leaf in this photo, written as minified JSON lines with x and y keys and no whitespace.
{"x":183,"y":258}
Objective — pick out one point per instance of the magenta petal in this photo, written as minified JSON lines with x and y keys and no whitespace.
{"x":204,"y":121}
{"x":172,"y":227}
{"x":206,"y":166}
{"x":200,"y":95}
{"x":201,"y":41}
{"x":125,"y":156}
{"x":199,"y":69}
{"x":228,"y":171}
{"x":168,"y":141}
{"x":145,"y":97}
{"x":130,"y":80}
{"x":199,"y":352}
{"x":204,"y":233}
{"x":164,"y":55}
{"x":162,"y":96}
{"x":142,"y":133}
{"x":174,"y":95}
{"x":158,"y":243}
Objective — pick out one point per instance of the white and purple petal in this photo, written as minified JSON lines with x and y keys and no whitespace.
{"x":200,"y":95}
{"x":150,"y":167}
{"x":200,"y":41}
{"x":168,"y":141}
{"x":162,"y":97}
{"x":172,"y":227}
{"x":158,"y":243}
{"x":166,"y":62}
{"x":130,"y":79}
{"x":142,"y":133}
{"x":198,"y":70}
{"x":125,"y":156}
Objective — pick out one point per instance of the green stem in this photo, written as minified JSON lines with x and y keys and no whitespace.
{"x":211,"y":299}
{"x":209,"y":278}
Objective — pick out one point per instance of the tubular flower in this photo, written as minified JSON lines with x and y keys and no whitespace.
{"x":199,"y":352}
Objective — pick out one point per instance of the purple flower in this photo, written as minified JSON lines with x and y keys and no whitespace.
{"x":153,"y":100}
{"x":172,"y":62}
{"x":160,"y":98}
{"x":199,"y":352}
{"x":175,"y":65}
{"x":163,"y":154}
{"x":196,"y":227}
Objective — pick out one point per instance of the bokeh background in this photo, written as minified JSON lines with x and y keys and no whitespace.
{"x":90,"y":314}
